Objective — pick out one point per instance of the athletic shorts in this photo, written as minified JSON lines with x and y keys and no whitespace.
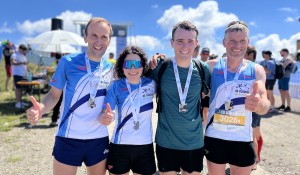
{"x":255,"y":120}
{"x":205,"y":102}
{"x":17,"y":78}
{"x":177,"y":160}
{"x":270,"y":84}
{"x":236,"y":153}
{"x":75,"y":151}
{"x":8,"y":70}
{"x":283,"y":84}
{"x":138,"y":158}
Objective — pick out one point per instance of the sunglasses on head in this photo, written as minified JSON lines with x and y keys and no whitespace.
{"x":129,"y":63}
{"x":237,"y":22}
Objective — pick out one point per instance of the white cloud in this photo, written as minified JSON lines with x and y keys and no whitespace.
{"x":252,"y":23}
{"x":149,"y":43}
{"x":206,"y":17}
{"x":5,"y":29}
{"x":155,"y":6}
{"x":289,"y":19}
{"x":35,"y":27}
{"x":287,"y":9}
{"x":275,"y":44}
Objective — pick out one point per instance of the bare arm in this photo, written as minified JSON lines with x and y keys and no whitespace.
{"x":258,"y":101}
{"x":38,"y":109}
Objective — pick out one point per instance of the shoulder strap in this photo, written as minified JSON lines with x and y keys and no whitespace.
{"x":158,"y":91}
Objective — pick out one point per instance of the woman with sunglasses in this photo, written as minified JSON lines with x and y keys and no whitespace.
{"x":131,"y":146}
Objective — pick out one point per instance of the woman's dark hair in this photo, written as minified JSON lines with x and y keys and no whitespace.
{"x":130,"y":50}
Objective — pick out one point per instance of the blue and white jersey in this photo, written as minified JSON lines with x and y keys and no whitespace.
{"x":228,"y":119}
{"x":118,"y":97}
{"x":77,"y":119}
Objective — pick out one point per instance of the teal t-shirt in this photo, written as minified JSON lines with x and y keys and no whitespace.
{"x":176,"y":130}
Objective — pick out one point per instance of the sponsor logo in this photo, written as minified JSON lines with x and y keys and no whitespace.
{"x":105,"y":151}
{"x":81,"y":68}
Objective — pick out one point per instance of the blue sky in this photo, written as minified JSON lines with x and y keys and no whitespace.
{"x":273,"y":23}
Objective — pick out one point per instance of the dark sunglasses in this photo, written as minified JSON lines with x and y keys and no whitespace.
{"x":129,"y":63}
{"x":205,"y":53}
{"x":237,"y":22}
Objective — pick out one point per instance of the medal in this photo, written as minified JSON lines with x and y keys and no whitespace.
{"x":136,"y":125}
{"x":228,"y":105}
{"x":92,"y":103}
{"x":183,"y":107}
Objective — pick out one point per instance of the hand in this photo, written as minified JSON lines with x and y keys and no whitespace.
{"x":34,"y":113}
{"x":106,"y":116}
{"x":154,"y":60}
{"x":253,"y":100}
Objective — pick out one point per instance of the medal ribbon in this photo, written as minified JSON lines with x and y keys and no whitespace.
{"x":94,"y":80}
{"x":237,"y":75}
{"x":136,"y":110}
{"x":182,"y":94}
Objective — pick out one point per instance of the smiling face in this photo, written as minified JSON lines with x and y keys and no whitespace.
{"x":236,"y":43}
{"x":132,"y":72}
{"x":98,"y":39}
{"x":184,"y":43}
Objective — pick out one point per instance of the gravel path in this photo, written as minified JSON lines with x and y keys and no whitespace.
{"x":28,"y":151}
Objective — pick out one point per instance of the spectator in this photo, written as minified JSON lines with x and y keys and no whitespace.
{"x":257,"y":137}
{"x":19,"y":70}
{"x":283,"y":84}
{"x":204,"y":55}
{"x":270,"y":68}
{"x":7,"y":52}
{"x":111,"y":58}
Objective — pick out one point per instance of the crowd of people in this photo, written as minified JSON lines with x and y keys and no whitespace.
{"x":207,"y":108}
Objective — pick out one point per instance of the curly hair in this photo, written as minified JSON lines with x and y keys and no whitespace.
{"x":130,"y":50}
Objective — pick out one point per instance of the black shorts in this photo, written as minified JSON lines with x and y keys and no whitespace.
{"x":255,"y":120}
{"x":236,"y":153}
{"x":177,"y":160}
{"x":270,"y":84}
{"x":205,"y":102}
{"x":138,"y":158}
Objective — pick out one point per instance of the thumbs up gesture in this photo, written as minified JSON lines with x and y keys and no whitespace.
{"x":34,"y":113}
{"x":106,"y":116}
{"x":253,"y":100}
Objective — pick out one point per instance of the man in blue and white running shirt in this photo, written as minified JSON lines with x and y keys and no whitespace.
{"x":237,"y":90}
{"x":84,"y":78}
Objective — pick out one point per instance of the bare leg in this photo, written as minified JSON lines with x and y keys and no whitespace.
{"x":63,"y":169}
{"x":235,"y":170}
{"x":18,"y":93}
{"x":6,"y":83}
{"x":98,"y":169}
{"x":215,"y":169}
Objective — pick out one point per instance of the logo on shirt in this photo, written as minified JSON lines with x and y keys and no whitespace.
{"x":53,"y":80}
{"x":81,"y":68}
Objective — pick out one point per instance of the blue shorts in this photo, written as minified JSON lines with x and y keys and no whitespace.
{"x":75,"y":151}
{"x":283,"y":84}
{"x":255,"y":120}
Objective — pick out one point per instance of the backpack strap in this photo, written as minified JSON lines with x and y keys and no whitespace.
{"x":158,"y":90}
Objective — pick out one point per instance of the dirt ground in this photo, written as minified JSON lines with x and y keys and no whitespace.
{"x":28,"y":151}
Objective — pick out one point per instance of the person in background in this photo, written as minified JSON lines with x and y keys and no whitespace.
{"x":213,"y":56}
{"x":131,"y":146}
{"x":84,"y":77}
{"x":205,"y":100}
{"x":19,"y":70}
{"x":237,"y":90}
{"x":111,"y":58}
{"x":257,"y":137}
{"x":270,"y":67}
{"x":283,"y":84}
{"x":7,"y":52}
{"x":204,"y":55}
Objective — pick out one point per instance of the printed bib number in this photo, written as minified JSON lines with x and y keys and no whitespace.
{"x":229,"y":120}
